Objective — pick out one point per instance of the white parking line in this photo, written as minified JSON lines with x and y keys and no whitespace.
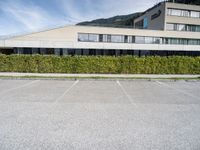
{"x":19,"y":87}
{"x":124,"y":91}
{"x":178,"y":90}
{"x":67,"y":90}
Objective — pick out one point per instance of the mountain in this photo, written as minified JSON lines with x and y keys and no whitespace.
{"x":117,"y":21}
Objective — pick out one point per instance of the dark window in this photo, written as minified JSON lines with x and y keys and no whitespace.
{"x":109,"y":38}
{"x":125,"y":39}
{"x":100,"y":37}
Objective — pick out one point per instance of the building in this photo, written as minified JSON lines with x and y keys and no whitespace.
{"x":169,"y":16}
{"x":165,"y":29}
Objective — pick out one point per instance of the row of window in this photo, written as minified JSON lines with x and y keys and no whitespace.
{"x":183,"y":13}
{"x":183,"y":27}
{"x":103,"y":38}
{"x":85,"y":37}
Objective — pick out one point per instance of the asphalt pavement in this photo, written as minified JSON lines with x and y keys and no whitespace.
{"x":99,"y":115}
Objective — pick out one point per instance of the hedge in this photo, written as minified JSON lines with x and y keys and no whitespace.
{"x":100,"y":64}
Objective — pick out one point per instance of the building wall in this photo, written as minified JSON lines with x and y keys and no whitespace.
{"x":67,"y":37}
{"x":182,"y":20}
{"x":160,"y":22}
{"x":156,"y":23}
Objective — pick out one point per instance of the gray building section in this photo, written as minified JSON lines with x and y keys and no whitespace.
{"x":170,"y":16}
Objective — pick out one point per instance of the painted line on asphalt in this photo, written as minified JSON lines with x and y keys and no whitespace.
{"x":19,"y":87}
{"x":178,"y":90}
{"x":125,"y":92}
{"x":66,"y":91}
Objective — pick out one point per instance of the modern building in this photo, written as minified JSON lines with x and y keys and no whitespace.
{"x":169,"y":16}
{"x":165,"y":29}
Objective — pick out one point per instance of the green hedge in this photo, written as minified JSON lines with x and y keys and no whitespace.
{"x":100,"y":64}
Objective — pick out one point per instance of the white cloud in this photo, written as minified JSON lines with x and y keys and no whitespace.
{"x":30,"y":16}
{"x":94,"y":9}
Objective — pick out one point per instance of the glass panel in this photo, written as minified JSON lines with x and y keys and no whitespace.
{"x":145,"y":23}
{"x":198,"y":28}
{"x":148,"y":40}
{"x":93,"y":38}
{"x":181,"y":27}
{"x":157,"y":40}
{"x":108,"y":38}
{"x":170,"y":26}
{"x":133,"y":39}
{"x":100,"y":37}
{"x":195,"y":14}
{"x":130,"y":39}
{"x":185,"y":13}
{"x":125,"y":39}
{"x":176,"y":12}
{"x":169,"y":11}
{"x":83,"y":37}
{"x":104,"y":38}
{"x":116,"y":38}
{"x":193,"y":42}
{"x":185,"y":42}
{"x":139,"y":39}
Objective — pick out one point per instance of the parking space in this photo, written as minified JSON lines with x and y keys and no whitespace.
{"x":163,"y":92}
{"x":33,"y":91}
{"x":95,"y":114}
{"x":95,"y":92}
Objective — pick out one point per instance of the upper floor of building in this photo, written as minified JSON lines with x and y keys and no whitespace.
{"x":170,"y":16}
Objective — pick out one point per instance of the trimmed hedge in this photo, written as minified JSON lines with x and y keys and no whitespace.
{"x":100,"y":64}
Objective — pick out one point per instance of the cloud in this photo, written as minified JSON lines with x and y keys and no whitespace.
{"x":30,"y":16}
{"x":83,"y":10}
{"x":23,"y":15}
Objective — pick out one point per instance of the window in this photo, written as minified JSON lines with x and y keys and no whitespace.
{"x":148,"y":40}
{"x":116,"y":38}
{"x":157,"y":40}
{"x":183,"y":13}
{"x":195,"y":14}
{"x":83,"y":37}
{"x":93,"y":38}
{"x":166,"y":41}
{"x":170,"y":26}
{"x":100,"y":37}
{"x":125,"y":39}
{"x":176,"y":12}
{"x":193,"y":42}
{"x":145,"y":23}
{"x":109,"y":38}
{"x":174,"y":41}
{"x":198,"y":29}
{"x":180,"y":27}
{"x":133,"y":39}
{"x":130,"y":39}
{"x":183,"y":27}
{"x":104,"y":38}
{"x":169,"y":11}
{"x":139,"y":39}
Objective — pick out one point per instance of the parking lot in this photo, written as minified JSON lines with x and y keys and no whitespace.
{"x":99,"y":114}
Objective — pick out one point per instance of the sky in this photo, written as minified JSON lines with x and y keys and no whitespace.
{"x":21,"y":16}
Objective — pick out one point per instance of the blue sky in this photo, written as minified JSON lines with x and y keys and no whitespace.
{"x":18,"y":16}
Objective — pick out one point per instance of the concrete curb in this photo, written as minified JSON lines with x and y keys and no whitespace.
{"x":54,"y":75}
